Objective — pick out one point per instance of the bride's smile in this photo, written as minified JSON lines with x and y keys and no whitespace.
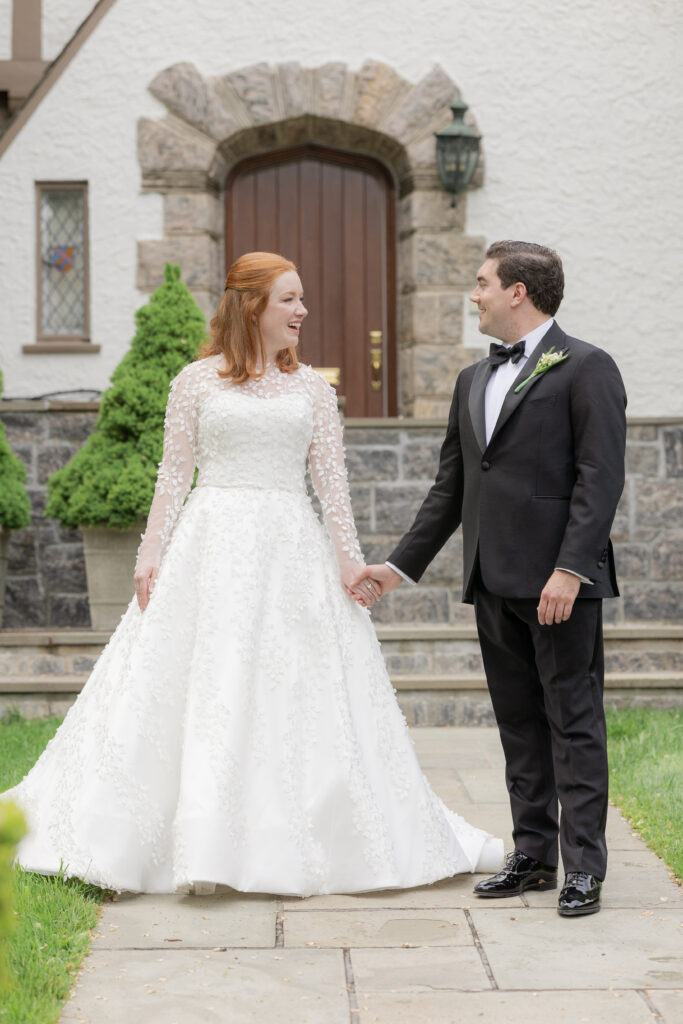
{"x":280,"y":323}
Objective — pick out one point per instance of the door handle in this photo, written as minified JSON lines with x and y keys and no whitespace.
{"x":376,"y":360}
{"x":332,"y":374}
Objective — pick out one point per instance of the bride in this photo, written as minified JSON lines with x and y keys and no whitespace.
{"x":240,"y":727}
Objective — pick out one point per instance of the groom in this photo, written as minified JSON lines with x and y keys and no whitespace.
{"x":532,"y":465}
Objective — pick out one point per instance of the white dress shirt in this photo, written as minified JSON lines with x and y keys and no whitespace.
{"x":497,"y":387}
{"x":500,"y":381}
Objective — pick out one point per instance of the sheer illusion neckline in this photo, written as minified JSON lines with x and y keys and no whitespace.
{"x":283,"y":383}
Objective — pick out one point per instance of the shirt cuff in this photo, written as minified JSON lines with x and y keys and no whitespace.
{"x":584,"y":579}
{"x":401,"y":574}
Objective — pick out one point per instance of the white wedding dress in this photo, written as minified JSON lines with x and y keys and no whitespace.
{"x":243,"y":730}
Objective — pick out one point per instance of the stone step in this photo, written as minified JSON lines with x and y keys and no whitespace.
{"x":74,"y":683}
{"x":449,"y":650}
{"x":396,"y":631}
{"x":419,"y":631}
{"x":410,"y":650}
{"x":53,"y":637}
{"x":52,"y":684}
{"x":424,"y":700}
{"x":613,"y":681}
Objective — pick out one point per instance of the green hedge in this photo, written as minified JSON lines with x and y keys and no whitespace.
{"x":110,"y":481}
{"x":15,"y":508}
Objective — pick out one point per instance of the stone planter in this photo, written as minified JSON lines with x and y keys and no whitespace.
{"x":4,"y":548}
{"x":109,"y":564}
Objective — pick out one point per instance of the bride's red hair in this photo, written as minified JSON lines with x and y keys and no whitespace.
{"x":234,"y":329}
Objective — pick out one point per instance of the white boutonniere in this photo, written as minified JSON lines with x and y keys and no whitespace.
{"x":547,"y":360}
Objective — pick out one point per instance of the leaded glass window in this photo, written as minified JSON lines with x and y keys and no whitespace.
{"x":63,"y":270}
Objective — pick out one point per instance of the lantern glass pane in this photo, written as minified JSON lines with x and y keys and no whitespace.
{"x":456,"y":157}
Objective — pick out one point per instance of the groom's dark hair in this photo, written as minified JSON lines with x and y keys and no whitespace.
{"x":538,"y":268}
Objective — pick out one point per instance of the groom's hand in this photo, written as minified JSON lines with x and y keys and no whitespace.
{"x":381,"y":576}
{"x":557,"y":597}
{"x":361,"y":587}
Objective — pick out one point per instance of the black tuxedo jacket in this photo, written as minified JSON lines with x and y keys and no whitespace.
{"x":543,"y":493}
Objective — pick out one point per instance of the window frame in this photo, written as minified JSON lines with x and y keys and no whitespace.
{"x":62,"y":342}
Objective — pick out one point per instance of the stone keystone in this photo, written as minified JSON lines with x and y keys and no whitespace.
{"x":329,"y":84}
{"x":296,"y":89}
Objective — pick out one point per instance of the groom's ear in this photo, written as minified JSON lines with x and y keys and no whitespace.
{"x":519,"y":293}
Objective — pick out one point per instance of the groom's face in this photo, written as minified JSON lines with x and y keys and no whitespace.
{"x":492,"y":300}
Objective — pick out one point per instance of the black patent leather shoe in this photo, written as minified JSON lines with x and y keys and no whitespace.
{"x":580,"y":894}
{"x":520,"y":872}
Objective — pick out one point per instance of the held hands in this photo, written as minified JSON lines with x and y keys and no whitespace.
{"x":371,"y":583}
{"x":145,"y":578}
{"x":557,"y":597}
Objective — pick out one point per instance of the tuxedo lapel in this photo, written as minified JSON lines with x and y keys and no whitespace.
{"x":476,"y":401}
{"x":556,"y":337}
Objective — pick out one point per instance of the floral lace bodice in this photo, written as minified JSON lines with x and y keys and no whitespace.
{"x":258,"y":434}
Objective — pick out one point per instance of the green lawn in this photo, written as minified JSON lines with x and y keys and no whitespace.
{"x":54,"y":916}
{"x":646,"y":777}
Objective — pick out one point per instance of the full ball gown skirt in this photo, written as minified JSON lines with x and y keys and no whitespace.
{"x":243,"y":730}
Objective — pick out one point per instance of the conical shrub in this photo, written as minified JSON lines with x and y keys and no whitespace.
{"x":15,"y":507}
{"x":110,"y":481}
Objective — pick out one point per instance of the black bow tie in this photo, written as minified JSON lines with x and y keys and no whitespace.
{"x":501,"y":353}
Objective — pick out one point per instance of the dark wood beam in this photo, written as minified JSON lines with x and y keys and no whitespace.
{"x":26,"y":30}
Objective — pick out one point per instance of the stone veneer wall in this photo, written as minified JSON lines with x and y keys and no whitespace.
{"x":46,"y":583}
{"x":391,"y":465}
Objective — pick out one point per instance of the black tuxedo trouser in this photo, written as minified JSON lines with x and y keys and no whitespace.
{"x":546,"y":685}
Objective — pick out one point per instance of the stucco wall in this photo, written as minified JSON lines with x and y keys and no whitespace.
{"x":61,"y":18}
{"x":575,"y":101}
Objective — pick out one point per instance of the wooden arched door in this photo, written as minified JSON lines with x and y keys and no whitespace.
{"x":333,"y":214}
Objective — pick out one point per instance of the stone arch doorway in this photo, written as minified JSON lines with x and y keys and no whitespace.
{"x":213,"y":124}
{"x":333,"y":214}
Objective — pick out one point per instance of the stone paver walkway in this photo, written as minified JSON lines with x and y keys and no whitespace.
{"x":435,"y":954}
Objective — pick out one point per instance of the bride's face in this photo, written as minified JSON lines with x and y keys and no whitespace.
{"x":281,"y":320}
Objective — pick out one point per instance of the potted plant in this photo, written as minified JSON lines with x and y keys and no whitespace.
{"x":106,"y":489}
{"x":15,"y":507}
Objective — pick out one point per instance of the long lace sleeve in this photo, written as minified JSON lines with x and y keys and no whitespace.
{"x":328,"y":473}
{"x":176,"y":469}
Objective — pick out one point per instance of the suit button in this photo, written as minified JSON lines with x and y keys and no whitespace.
{"x":601,"y":564}
{"x":485,"y":465}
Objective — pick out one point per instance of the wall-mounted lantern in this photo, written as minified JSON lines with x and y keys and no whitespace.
{"x":457,"y":152}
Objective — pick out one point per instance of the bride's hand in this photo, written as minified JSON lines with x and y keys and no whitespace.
{"x":377,"y":580}
{"x":145,"y":578}
{"x":363,"y":590}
